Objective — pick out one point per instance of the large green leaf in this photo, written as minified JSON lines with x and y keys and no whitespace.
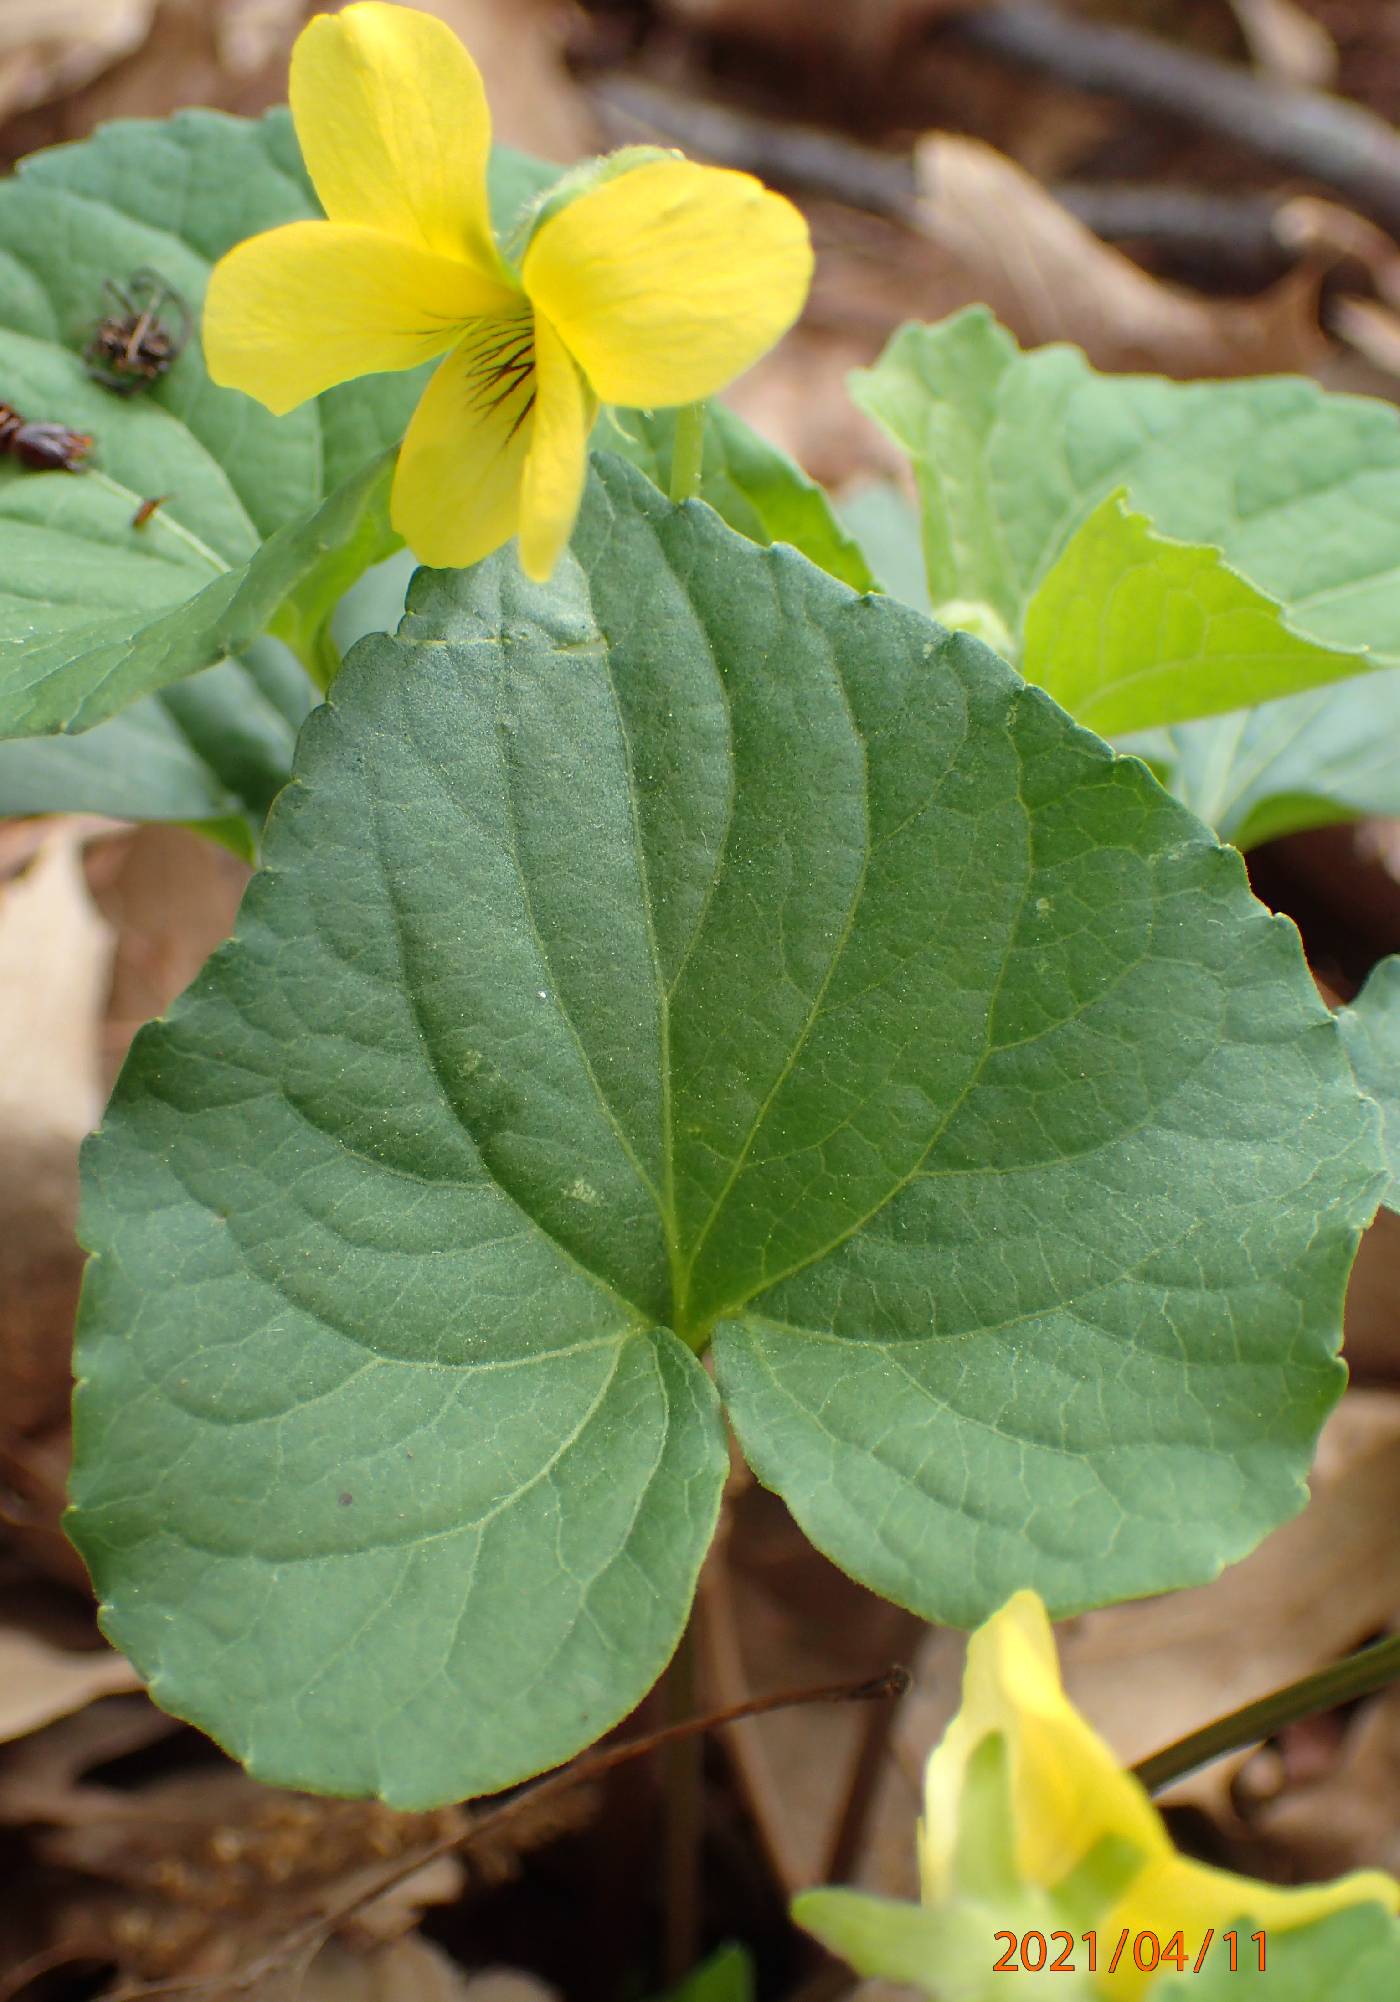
{"x":94,"y":611}
{"x":1299,"y":489}
{"x":749,"y":483}
{"x":689,"y":950}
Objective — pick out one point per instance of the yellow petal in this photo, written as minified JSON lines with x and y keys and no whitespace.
{"x":393,"y":124}
{"x":557,"y":463}
{"x":1176,"y":1895}
{"x":297,"y":309}
{"x":1068,"y":1790}
{"x":668,"y":281}
{"x":1069,"y":1794}
{"x":457,"y":489}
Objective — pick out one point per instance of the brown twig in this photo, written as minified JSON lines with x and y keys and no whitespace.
{"x":1306,"y":131}
{"x":592,"y":1766}
{"x":853,"y":1823}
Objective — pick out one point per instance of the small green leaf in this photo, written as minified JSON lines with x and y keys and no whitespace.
{"x":950,"y":1952}
{"x":1371,"y":1031}
{"x":691,"y":950}
{"x":257,"y":513}
{"x":725,"y":1976}
{"x":1131,"y":630}
{"x":749,"y":483}
{"x":1297,"y":489}
{"x":1351,"y":1956}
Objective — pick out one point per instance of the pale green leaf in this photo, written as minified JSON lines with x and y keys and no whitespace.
{"x":1299,"y":490}
{"x":257,"y":510}
{"x":1371,"y":1031}
{"x":753,"y":486}
{"x":1305,"y":762}
{"x":726,"y":1975}
{"x":691,"y":949}
{"x":1131,"y":630}
{"x":949,"y":1952}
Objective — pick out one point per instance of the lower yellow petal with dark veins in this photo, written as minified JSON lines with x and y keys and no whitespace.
{"x":557,"y":463}
{"x":299,"y":309}
{"x":457,"y":489}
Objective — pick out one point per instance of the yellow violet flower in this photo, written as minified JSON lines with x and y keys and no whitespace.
{"x":1033,"y":1832}
{"x":1070,"y":1797}
{"x":654,"y":286}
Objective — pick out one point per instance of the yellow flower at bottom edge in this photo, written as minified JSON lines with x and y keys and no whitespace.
{"x":1069,"y":1797}
{"x":655,"y":286}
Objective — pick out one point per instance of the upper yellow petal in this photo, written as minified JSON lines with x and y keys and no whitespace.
{"x":393,"y":124}
{"x":668,"y":281}
{"x":456,"y":493}
{"x":293,"y":311}
{"x":1068,"y":1790}
{"x":556,"y":465}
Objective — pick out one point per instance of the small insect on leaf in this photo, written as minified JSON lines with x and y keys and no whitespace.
{"x":147,"y":509}
{"x":133,"y":346}
{"x":43,"y":448}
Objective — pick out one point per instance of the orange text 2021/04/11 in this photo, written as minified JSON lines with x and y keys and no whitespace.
{"x":1067,"y":1952}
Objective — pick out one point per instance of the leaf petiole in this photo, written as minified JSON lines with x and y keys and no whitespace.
{"x":1371,"y":1668}
{"x":687,"y":452}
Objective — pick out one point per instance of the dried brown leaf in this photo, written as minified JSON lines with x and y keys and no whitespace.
{"x":50,"y":47}
{"x":519,"y":50}
{"x":1049,"y":278}
{"x":171,"y":898}
{"x":411,"y":1970}
{"x":55,"y":957}
{"x":773,"y":1614}
{"x":1286,"y":42}
{"x":1345,"y":1816}
{"x":1321,"y":1585}
{"x":40,"y":1682}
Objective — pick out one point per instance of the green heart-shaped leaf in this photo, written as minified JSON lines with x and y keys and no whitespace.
{"x":691,"y":951}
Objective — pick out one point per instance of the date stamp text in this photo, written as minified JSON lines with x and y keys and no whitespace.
{"x":1068,"y":1953}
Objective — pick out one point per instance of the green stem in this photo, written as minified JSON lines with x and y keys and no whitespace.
{"x":1361,"y":1673}
{"x":688,"y":452}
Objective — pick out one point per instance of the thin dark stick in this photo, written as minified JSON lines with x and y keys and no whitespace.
{"x":682,"y":1802}
{"x":1306,"y":131}
{"x":592,"y":1766}
{"x":853,"y":1824}
{"x":1360,"y":1674}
